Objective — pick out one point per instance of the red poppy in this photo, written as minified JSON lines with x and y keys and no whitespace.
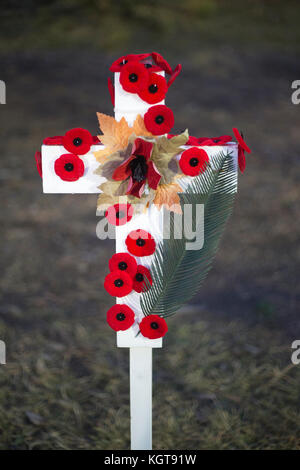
{"x":159,"y":119}
{"x":161,"y":63}
{"x":153,"y":326}
{"x":155,"y":90}
{"x":134,"y":77}
{"x":208,"y":141}
{"x":118,"y":283}
{"x":193,"y":161}
{"x":142,"y":279}
{"x":119,"y":214}
{"x":120,"y":317}
{"x":174,"y":74}
{"x":38,"y":161}
{"x":56,"y":140}
{"x":118,"y":64}
{"x":69,"y":167}
{"x":111,"y":90}
{"x":140,"y":243}
{"x":139,"y":169}
{"x":211,"y":141}
{"x":77,"y":141}
{"x":123,"y":262}
{"x":242,"y":148}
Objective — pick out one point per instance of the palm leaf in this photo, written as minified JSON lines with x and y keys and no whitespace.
{"x":177,"y":272}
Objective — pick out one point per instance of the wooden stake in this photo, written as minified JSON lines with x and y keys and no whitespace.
{"x":141,"y":398}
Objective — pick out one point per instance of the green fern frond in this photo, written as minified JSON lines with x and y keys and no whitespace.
{"x":177,"y":272}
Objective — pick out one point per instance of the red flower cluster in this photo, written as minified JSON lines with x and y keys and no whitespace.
{"x":153,"y":327}
{"x":38,"y":161}
{"x":193,"y":161}
{"x":140,"y":243}
{"x":69,"y":167}
{"x":120,"y":317}
{"x":119,"y":214}
{"x":136,"y":78}
{"x":242,"y":148}
{"x":159,"y":119}
{"x":126,"y":275}
{"x":151,"y":61}
{"x":139,"y":169}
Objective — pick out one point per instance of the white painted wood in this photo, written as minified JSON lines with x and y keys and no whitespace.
{"x":141,"y":398}
{"x":152,"y":222}
{"x":87,"y":184}
{"x":129,"y":105}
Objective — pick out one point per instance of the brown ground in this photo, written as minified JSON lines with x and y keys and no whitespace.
{"x":61,"y":355}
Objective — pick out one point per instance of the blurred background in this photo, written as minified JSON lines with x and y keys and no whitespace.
{"x":224,"y":378}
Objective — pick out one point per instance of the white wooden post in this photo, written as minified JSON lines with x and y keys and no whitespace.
{"x":141,"y":398}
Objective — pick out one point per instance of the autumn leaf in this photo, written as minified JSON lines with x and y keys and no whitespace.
{"x":139,"y":128}
{"x":163,"y":154}
{"x":167,"y":195}
{"x":116,"y":134}
{"x":105,"y":200}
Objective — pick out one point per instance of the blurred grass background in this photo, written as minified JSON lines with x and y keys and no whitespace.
{"x":224,"y":378}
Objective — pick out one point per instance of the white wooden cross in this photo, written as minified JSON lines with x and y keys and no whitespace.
{"x":127,"y":105}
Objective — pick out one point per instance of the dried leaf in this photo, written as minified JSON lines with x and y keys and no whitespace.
{"x":139,"y":127}
{"x":34,"y":418}
{"x":101,"y":155}
{"x":116,"y":134}
{"x":105,"y":200}
{"x":114,"y":188}
{"x":164,"y":151}
{"x":167,"y":195}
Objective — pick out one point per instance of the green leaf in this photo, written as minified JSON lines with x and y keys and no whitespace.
{"x":164,"y":151}
{"x":177,"y":272}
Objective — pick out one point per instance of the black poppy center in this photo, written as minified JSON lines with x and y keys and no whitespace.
{"x":194,"y":161}
{"x":133,"y":77}
{"x":140,"y":242}
{"x":153,"y":88}
{"x":138,"y":167}
{"x":120,"y":316}
{"x":118,"y":283}
{"x":120,"y":215}
{"x":77,"y":141}
{"x":139,"y":277}
{"x":154,"y":325}
{"x":159,"y":119}
{"x":69,"y":167}
{"x":122,"y":265}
